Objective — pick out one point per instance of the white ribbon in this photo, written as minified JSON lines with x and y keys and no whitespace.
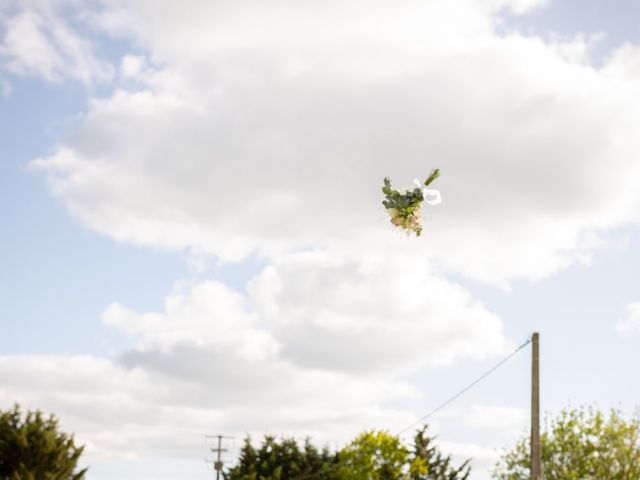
{"x":437,"y":198}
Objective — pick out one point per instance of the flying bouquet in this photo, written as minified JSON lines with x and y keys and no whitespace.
{"x":405,"y":209}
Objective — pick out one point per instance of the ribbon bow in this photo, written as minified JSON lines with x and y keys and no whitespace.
{"x":436,"y":197}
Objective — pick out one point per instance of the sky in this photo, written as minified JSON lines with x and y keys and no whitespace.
{"x":193,"y":241}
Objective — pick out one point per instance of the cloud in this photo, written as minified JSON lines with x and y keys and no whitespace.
{"x":518,"y":7}
{"x":483,"y":458}
{"x":319,"y":312}
{"x":297,"y":353}
{"x":38,"y":41}
{"x":336,"y":314}
{"x":632,"y":322}
{"x":511,"y":419}
{"x":274,"y":133}
{"x":120,"y":411}
{"x":264,"y":129}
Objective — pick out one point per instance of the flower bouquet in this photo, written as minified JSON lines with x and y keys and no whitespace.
{"x":405,"y":209}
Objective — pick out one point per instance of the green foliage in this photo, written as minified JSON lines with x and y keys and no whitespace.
{"x":580,"y":444}
{"x":372,"y":455}
{"x":280,"y":460}
{"x":428,"y":463}
{"x":405,"y":208}
{"x":32,"y":448}
{"x":405,"y":203}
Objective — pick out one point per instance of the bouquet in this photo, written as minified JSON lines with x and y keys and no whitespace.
{"x":405,"y":209}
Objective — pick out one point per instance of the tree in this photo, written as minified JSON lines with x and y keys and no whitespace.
{"x":580,"y":444}
{"x":382,"y":456}
{"x":32,"y":448}
{"x":372,"y":455}
{"x":280,"y":460}
{"x":428,"y":463}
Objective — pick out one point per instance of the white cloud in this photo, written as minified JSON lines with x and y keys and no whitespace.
{"x":274,"y":133}
{"x":518,"y":7}
{"x":321,"y":313}
{"x":247,"y":363}
{"x":120,"y":411}
{"x":632,"y":322}
{"x":377,"y":316}
{"x":512,"y":419}
{"x":483,"y":458}
{"x":266,"y":128}
{"x":132,"y":66}
{"x":38,"y":41}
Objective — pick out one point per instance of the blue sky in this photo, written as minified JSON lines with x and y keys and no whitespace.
{"x":144,"y":269}
{"x":61,"y":274}
{"x":616,"y":19}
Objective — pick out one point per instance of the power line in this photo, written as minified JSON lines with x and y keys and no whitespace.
{"x":467,"y":388}
{"x":446,"y":402}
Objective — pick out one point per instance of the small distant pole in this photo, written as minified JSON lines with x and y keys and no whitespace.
{"x":536,"y":459}
{"x":217,"y":464}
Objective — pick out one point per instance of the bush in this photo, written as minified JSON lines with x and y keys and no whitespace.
{"x":32,"y":448}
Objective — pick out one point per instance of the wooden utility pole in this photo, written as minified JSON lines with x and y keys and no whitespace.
{"x":536,"y":460}
{"x":217,"y":464}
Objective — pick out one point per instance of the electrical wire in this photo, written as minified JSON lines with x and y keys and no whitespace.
{"x":466,"y":389}
{"x":446,"y":402}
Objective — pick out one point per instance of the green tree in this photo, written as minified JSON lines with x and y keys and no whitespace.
{"x":372,"y":455}
{"x":32,"y":448}
{"x":382,"y":456}
{"x":428,"y":463}
{"x":580,"y":444}
{"x":280,"y":460}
